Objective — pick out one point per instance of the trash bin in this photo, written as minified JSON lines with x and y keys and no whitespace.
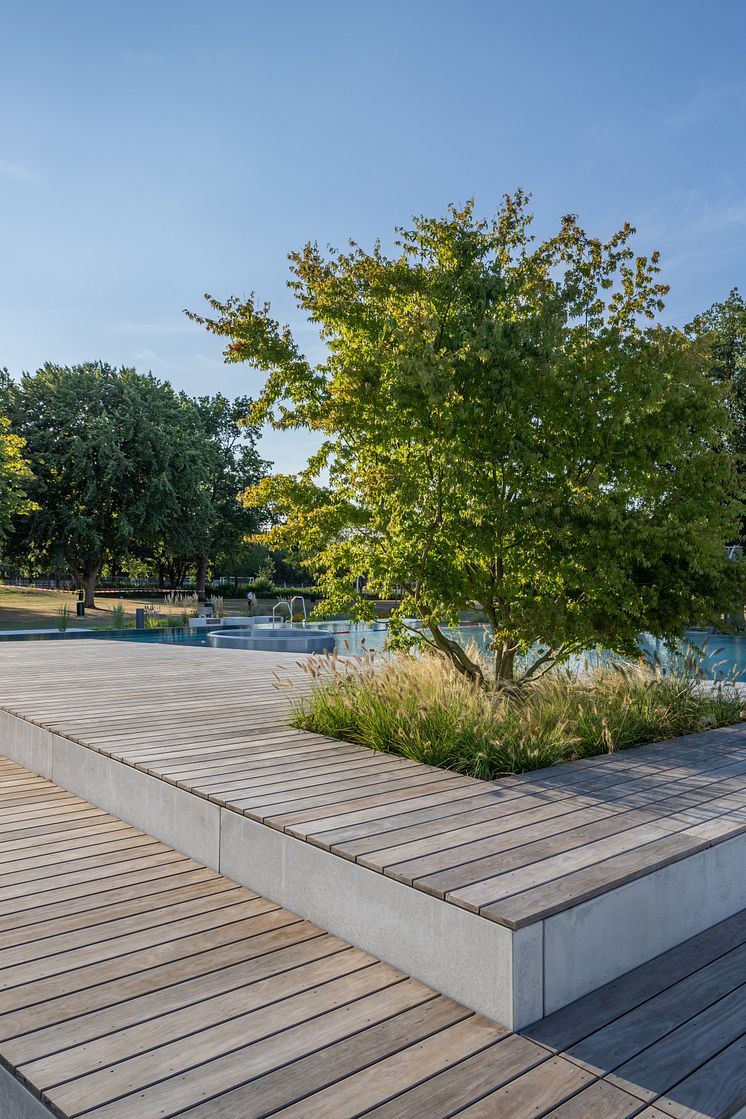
{"x":80,"y":609}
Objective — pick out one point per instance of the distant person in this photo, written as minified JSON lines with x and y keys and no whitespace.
{"x":250,"y":601}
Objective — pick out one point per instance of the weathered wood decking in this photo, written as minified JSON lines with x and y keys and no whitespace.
{"x":210,"y":721}
{"x":136,"y":983}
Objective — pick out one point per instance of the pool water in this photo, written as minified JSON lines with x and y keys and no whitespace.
{"x":719,"y":656}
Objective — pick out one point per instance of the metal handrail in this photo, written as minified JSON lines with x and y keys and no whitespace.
{"x":301,"y":599}
{"x":276,"y":607}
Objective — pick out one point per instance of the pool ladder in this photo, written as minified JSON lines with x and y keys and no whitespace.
{"x":299,"y":598}
{"x":289,"y":607}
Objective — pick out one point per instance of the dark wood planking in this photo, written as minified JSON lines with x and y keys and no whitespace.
{"x":717,"y":1089}
{"x":643,"y":1026}
{"x":661,"y":1066}
{"x":592,"y":1013}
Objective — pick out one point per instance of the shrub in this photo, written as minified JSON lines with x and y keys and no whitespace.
{"x":420,"y":708}
{"x":118,"y":617}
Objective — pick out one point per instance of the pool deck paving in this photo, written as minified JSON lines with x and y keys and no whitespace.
{"x":550,"y":883}
{"x":136,"y":982}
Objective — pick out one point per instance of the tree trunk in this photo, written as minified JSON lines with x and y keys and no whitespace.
{"x":202,"y":561}
{"x":505,"y":666}
{"x":90,"y":579}
{"x":457,"y":656}
{"x":86,"y":580}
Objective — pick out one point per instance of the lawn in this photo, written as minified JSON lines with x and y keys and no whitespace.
{"x":32,"y":608}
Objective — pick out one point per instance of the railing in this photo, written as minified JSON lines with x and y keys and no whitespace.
{"x":301,"y":599}
{"x":277,"y":606}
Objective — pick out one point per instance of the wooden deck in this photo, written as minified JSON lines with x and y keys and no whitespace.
{"x":211,"y":722}
{"x":136,"y":983}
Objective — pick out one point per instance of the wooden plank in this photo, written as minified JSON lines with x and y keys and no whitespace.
{"x":572,"y":889}
{"x":110,"y":1003}
{"x":170,"y":948}
{"x":534,"y":1093}
{"x":563,"y":1029}
{"x":185,"y":1073}
{"x":321,"y":980}
{"x":599,"y":1100}
{"x":544,"y":872}
{"x":136,"y":935}
{"x":309,"y":1074}
{"x":717,"y":1090}
{"x":223,"y":898}
{"x":441,"y":1095}
{"x":658,"y":1069}
{"x":201,"y":884}
{"x":646,"y":1024}
{"x":474,"y":854}
{"x":45,"y":906}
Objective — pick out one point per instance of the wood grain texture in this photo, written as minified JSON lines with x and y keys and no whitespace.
{"x":213,"y":723}
{"x":172,"y":991}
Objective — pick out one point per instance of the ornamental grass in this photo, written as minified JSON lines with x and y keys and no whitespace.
{"x":420,"y":708}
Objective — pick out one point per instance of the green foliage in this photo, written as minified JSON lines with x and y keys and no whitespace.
{"x":117,"y":462}
{"x":505,"y":423}
{"x":264,"y":583}
{"x":15,"y":478}
{"x":421,"y":709}
{"x":63,"y":616}
{"x":118,"y":616}
{"x":720,"y":332}
{"x":218,"y":524}
{"x":15,"y":472}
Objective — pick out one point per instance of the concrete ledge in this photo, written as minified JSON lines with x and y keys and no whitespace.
{"x":477,"y":962}
{"x":16,"y":1102}
{"x":486,"y":966}
{"x":513,"y":976}
{"x":186,"y":822}
{"x":601,"y":939}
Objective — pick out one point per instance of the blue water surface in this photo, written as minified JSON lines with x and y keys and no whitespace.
{"x":718,"y":656}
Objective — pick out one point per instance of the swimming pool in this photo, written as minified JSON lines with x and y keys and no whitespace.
{"x":721,"y":656}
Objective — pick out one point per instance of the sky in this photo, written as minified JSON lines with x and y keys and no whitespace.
{"x":154,"y":151}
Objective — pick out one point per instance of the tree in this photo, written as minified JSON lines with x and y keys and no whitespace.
{"x":116,"y":460}
{"x":233,"y":464}
{"x":720,"y":332}
{"x":505,"y":423}
{"x":15,"y":473}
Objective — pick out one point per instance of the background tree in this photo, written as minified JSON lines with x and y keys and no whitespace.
{"x":720,"y":332}
{"x":15,"y":473}
{"x":232,"y":464}
{"x":504,"y":423}
{"x":117,"y":460}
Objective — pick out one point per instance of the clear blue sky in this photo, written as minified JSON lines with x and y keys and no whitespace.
{"x":153,"y":151}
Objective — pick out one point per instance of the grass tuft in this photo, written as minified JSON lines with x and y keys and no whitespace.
{"x":419,"y":708}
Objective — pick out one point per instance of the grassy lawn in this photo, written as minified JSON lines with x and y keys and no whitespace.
{"x":32,"y":608}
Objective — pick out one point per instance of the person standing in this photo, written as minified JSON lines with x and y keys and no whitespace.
{"x":250,"y":601}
